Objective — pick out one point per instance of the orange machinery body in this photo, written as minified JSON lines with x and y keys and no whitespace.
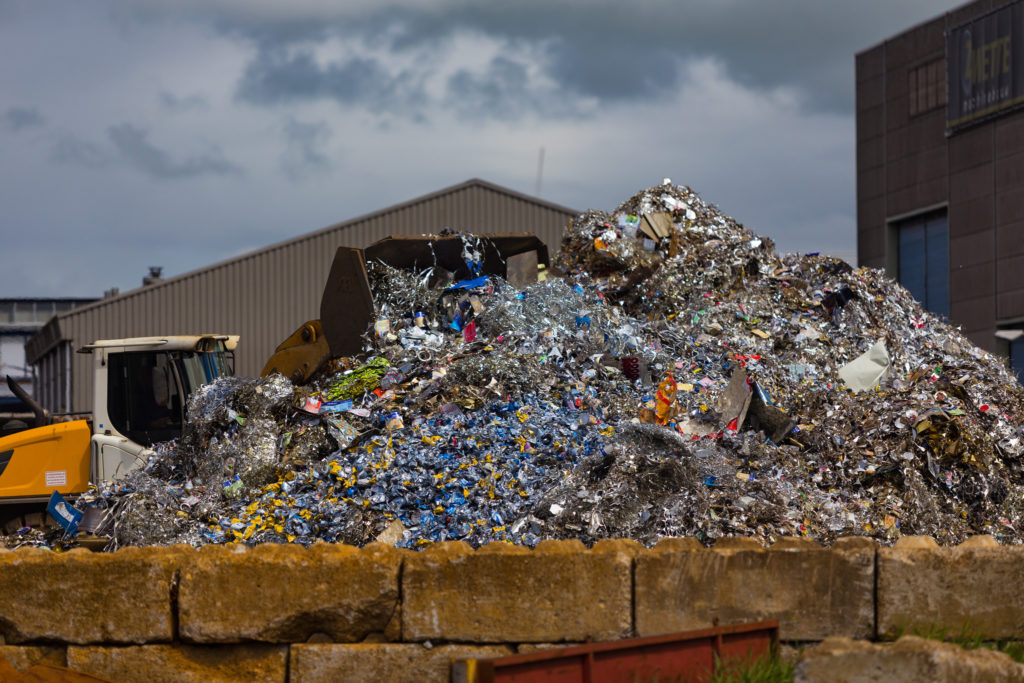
{"x":36,"y":462}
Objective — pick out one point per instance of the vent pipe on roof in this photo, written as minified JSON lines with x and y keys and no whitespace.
{"x":153,"y":277}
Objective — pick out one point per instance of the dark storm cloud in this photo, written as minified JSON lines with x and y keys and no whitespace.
{"x":74,"y":151}
{"x":134,"y":147}
{"x":304,"y":153}
{"x":501,"y":91}
{"x":605,"y":49}
{"x":282,"y":76}
{"x":617,"y":72}
{"x":617,"y":51}
{"x":18,"y":118}
{"x":176,"y":104}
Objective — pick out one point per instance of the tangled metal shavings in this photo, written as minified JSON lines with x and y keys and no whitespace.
{"x":682,"y":379}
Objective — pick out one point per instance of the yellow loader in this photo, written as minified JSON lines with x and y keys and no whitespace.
{"x":140,"y":389}
{"x":142,"y":384}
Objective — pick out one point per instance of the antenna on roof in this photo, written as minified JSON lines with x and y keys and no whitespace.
{"x":540,"y":170}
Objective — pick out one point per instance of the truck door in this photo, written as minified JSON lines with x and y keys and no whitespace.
{"x":144,"y":405}
{"x":145,"y":401}
{"x":114,"y":456}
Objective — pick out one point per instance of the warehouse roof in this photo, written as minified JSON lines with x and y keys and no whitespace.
{"x":51,"y":334}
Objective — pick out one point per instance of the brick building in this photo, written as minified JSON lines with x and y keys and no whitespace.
{"x":940,"y":167}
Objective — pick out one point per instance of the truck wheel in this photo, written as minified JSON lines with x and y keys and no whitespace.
{"x":20,"y":517}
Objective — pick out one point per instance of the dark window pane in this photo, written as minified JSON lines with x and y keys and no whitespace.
{"x":912,"y":260}
{"x":924,"y":260}
{"x":937,"y":275}
{"x":920,"y":91}
{"x":912,"y":90}
{"x":143,"y":400}
{"x":1017,"y":358}
{"x":24,"y":312}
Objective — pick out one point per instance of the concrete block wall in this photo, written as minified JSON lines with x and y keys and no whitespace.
{"x":286,"y":613}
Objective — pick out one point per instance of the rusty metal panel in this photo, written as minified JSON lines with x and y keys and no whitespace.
{"x":690,"y":655}
{"x":740,"y":644}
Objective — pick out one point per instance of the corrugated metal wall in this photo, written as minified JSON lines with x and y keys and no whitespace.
{"x":475,"y":207}
{"x":264,"y":296}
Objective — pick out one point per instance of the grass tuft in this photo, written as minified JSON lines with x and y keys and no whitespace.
{"x":967,"y":638}
{"x":757,"y":669}
{"x":765,"y":669}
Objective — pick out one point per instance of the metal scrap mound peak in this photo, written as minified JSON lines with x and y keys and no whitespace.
{"x":679,"y":378}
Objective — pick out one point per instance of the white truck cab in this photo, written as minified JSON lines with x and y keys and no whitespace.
{"x":140,"y":391}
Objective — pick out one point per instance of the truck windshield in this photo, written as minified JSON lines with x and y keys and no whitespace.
{"x":197,"y":369}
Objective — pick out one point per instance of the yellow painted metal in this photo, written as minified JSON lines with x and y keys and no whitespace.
{"x":45,"y":459}
{"x":299,"y":356}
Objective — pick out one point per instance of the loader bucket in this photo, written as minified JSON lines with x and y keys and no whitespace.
{"x":346,"y":307}
{"x":507,"y":255}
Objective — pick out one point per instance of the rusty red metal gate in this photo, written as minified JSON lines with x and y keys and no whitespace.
{"x":689,"y":656}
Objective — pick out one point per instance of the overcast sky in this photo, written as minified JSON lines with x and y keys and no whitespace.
{"x":182,"y":133}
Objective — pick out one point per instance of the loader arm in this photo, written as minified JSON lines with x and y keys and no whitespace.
{"x":43,"y":416}
{"x":346,"y":310}
{"x":299,"y":356}
{"x":346,"y":306}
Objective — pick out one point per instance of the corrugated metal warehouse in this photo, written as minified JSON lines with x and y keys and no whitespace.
{"x":265,"y":295}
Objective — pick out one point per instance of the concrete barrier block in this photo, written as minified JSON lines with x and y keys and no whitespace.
{"x":183,"y":663}
{"x":675,"y":543}
{"x":855,"y":543}
{"x":980,"y":541}
{"x":392,"y":662}
{"x":813,"y":592}
{"x":84,"y":597}
{"x":737,"y":543}
{"x":21,"y":657}
{"x":506,"y":594}
{"x":793,"y":543}
{"x":908,"y":542}
{"x":619,"y":545}
{"x":971,"y":589}
{"x":287,"y":593}
{"x":908,"y":660}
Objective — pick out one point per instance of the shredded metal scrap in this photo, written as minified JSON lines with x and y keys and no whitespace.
{"x":682,"y":379}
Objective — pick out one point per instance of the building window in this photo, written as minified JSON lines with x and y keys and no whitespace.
{"x":12,"y":355}
{"x":923,"y":259}
{"x":1010,"y":345}
{"x":926,"y":87}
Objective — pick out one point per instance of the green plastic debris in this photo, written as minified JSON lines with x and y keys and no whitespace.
{"x":357,"y":382}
